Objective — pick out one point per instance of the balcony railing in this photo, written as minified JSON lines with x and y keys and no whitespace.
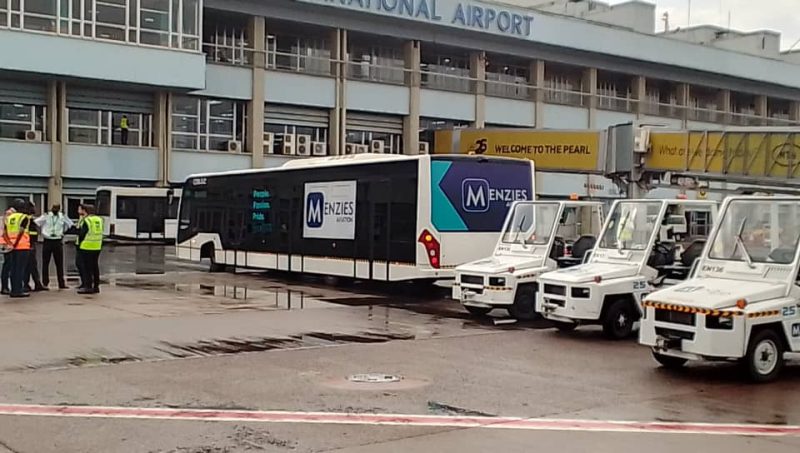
{"x":323,"y":65}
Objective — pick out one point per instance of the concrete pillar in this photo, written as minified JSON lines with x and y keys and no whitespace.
{"x":411,"y":50}
{"x":161,"y":135}
{"x":639,"y":89}
{"x":762,"y":107}
{"x":337,"y":131}
{"x":255,"y":108}
{"x":724,"y":106}
{"x":477,"y":71}
{"x":794,"y":111}
{"x":589,"y":84}
{"x":57,"y":134}
{"x":683,"y":101}
{"x":536,"y":79}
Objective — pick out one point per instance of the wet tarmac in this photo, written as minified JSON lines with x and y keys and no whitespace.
{"x":168,"y":334}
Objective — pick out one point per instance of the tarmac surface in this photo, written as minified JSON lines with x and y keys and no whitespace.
{"x":170,"y":358}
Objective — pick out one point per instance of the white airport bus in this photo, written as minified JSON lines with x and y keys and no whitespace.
{"x":144,"y":213}
{"x":369,"y":216}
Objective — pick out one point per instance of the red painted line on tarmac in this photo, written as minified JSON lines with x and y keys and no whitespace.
{"x":517,"y":423}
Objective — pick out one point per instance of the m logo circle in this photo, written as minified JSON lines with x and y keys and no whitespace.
{"x":314,"y":209}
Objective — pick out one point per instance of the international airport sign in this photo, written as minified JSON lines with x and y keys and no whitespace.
{"x":578,"y":151}
{"x":471,"y":15}
{"x":330,"y":210}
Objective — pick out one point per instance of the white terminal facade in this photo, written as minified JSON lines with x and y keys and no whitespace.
{"x":232,"y":84}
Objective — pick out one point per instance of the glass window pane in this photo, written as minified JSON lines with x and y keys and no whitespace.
{"x":154,"y":20}
{"x":184,"y":105}
{"x":184,"y":141}
{"x":82,"y":135}
{"x":182,"y":123}
{"x":45,"y":7}
{"x":175,"y":15}
{"x":218,"y":143}
{"x":223,"y":109}
{"x":39,"y":23}
{"x":112,"y":33}
{"x":190,"y":43}
{"x":13,"y":131}
{"x":191,"y":11}
{"x":64,"y":12}
{"x":132,"y":13}
{"x":15,"y":112}
{"x":110,"y":14}
{"x":153,"y":38}
{"x":76,"y":9}
{"x":83,"y":117}
{"x":221,"y":127}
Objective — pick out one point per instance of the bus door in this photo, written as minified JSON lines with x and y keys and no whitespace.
{"x":380,"y":196}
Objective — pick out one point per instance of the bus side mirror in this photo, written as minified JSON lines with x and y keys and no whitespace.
{"x":586,"y":257}
{"x":695,"y":266}
{"x":170,"y":196}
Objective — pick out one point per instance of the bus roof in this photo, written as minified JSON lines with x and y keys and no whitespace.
{"x":353,"y":159}
{"x":134,"y":191}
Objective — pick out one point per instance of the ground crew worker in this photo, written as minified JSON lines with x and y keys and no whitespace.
{"x":33,"y":262}
{"x":90,"y":243}
{"x":5,"y":275}
{"x":17,"y":233}
{"x":123,"y":129}
{"x":53,"y":226}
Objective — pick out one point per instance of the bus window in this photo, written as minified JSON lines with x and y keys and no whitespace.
{"x":126,"y":207}
{"x":103,"y":203}
{"x":172,"y":208}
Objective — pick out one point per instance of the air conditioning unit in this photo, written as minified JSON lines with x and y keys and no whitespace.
{"x":269,"y":143}
{"x":319,"y":148}
{"x":289,"y":138}
{"x":303,"y":145}
{"x":234,"y":146}
{"x":424,"y":147}
{"x":641,"y":140}
{"x":350,"y":148}
{"x":33,"y":136}
{"x":287,"y":149}
{"x":377,"y":146}
{"x":362,"y":149}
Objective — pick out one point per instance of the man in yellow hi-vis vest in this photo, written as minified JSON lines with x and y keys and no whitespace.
{"x":16,"y":235}
{"x":90,"y":243}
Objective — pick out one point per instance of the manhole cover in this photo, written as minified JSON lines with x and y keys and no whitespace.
{"x":374,"y":378}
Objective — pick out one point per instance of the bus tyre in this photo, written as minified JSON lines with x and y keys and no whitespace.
{"x":524,"y":306}
{"x":565,"y":326}
{"x":618,"y":320}
{"x":669,"y":362}
{"x":478,"y":312}
{"x":764,"y":359}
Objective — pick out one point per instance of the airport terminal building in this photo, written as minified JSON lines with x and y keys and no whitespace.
{"x":232,"y":84}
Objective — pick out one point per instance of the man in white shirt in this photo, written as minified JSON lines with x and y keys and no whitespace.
{"x":53,"y":226}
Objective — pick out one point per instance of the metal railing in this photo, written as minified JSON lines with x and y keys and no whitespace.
{"x":322,"y":65}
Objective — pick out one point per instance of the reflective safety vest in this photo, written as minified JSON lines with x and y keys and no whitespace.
{"x":14,"y":230}
{"x":123,"y":123}
{"x":93,"y":241}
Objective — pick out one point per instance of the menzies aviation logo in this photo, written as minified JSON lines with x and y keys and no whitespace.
{"x":796,"y":330}
{"x":314,"y":209}
{"x":477,"y":195}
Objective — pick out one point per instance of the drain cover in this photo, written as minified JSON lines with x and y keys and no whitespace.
{"x":374,"y":378}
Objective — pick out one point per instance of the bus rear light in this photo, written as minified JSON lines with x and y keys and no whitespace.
{"x":432,"y":248}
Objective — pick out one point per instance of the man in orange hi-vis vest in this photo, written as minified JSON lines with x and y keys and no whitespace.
{"x":5,"y":248}
{"x":17,"y":236}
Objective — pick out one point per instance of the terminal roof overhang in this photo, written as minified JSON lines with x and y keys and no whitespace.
{"x":552,"y":37}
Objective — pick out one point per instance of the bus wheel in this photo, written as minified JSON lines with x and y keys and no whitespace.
{"x":524,"y":307}
{"x":478,"y":312}
{"x":764,"y":359}
{"x":618,"y":320}
{"x":669,"y":362}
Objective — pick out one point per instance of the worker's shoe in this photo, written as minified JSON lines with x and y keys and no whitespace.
{"x":20,"y":295}
{"x":85,"y":291}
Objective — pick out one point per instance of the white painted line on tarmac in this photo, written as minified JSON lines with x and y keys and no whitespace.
{"x":444,"y":421}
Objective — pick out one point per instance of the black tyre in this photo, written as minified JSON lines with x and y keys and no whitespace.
{"x":669,"y":362}
{"x":478,"y":312}
{"x":565,"y":326}
{"x":618,"y":320}
{"x":524,"y":307}
{"x":764,"y":359}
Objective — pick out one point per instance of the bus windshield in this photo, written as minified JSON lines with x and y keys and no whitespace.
{"x":630,"y":225}
{"x":758,"y":231}
{"x":531,"y":223}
